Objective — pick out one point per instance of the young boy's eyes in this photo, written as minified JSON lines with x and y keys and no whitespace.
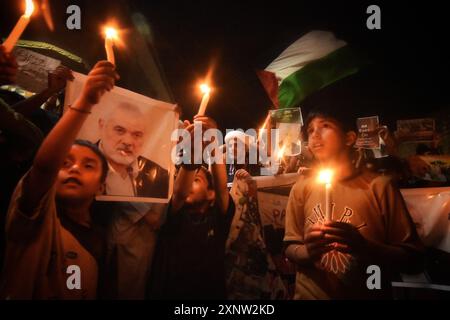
{"x":67,"y":163}
{"x":321,"y":125}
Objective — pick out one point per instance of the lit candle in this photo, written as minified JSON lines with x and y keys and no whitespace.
{"x":280,"y":158}
{"x":15,"y":34}
{"x":281,"y":152}
{"x":111,"y":35}
{"x":261,"y":131}
{"x":325,"y":177}
{"x":205,"y":99}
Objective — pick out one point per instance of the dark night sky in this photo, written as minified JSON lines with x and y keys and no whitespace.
{"x":241,"y":38}
{"x":237,"y":37}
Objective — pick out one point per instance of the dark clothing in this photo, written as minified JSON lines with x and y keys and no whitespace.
{"x":19,"y":139}
{"x":93,"y":238}
{"x":152,"y":180}
{"x":40,"y":250}
{"x":189,"y":261}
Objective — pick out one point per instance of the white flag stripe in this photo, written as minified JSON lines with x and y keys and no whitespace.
{"x":312,"y":46}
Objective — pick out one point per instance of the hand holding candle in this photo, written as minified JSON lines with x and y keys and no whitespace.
{"x":15,"y":34}
{"x":110,"y":36}
{"x":325,"y":177}
{"x":280,"y":156}
{"x":205,"y":99}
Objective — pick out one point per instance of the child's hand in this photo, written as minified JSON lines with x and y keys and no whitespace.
{"x":57,"y":79}
{"x":243,"y":175}
{"x":8,"y":67}
{"x":101,"y":79}
{"x":186,"y":124}
{"x":345,"y":235}
{"x":315,"y":242}
{"x":207,"y":122}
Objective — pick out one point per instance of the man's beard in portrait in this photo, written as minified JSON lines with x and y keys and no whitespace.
{"x":123,"y":156}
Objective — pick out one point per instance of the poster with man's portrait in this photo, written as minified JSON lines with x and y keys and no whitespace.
{"x":289,"y":122}
{"x":134,"y":133}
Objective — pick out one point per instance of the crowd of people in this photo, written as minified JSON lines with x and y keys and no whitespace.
{"x":133,"y":250}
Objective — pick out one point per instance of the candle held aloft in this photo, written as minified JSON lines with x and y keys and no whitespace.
{"x":111,"y":35}
{"x":205,"y":99}
{"x":19,"y":28}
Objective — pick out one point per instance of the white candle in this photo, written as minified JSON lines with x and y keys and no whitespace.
{"x":325,"y":178}
{"x":19,"y":28}
{"x":111,"y":34}
{"x":328,"y":202}
{"x":205,"y":99}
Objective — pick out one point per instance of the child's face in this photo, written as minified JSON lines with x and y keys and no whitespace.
{"x":80,"y":176}
{"x":326,"y":139}
{"x":199,"y":190}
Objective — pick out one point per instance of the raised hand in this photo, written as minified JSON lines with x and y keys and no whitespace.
{"x":57,"y":79}
{"x":243,"y":175}
{"x":207,"y":122}
{"x":101,"y":79}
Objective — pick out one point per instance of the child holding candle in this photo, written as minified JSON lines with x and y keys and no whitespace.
{"x":49,"y":226}
{"x":370,"y":222}
{"x":189,"y":258}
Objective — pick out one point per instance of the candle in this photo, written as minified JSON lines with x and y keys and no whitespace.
{"x":205,"y":99}
{"x":280,"y":160}
{"x":328,"y":202}
{"x":20,"y":26}
{"x":325,"y":177}
{"x":261,"y":131}
{"x":281,"y":153}
{"x":111,"y":35}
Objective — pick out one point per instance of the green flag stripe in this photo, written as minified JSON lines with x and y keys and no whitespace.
{"x":318,"y":74}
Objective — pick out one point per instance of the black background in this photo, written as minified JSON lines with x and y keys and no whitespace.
{"x":235,"y":38}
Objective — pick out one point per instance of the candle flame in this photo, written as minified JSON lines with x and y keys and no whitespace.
{"x":265,"y":122}
{"x":205,"y":89}
{"x":111,"y":33}
{"x":29,"y":8}
{"x":263,"y":127}
{"x":281,"y":152}
{"x":325,"y":176}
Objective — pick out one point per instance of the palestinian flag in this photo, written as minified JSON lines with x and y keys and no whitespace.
{"x":309,"y":64}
